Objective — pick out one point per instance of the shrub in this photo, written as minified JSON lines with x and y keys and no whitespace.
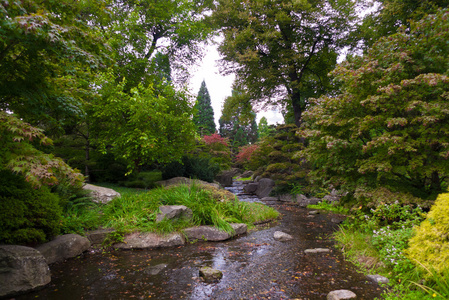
{"x":430,"y":245}
{"x":201,"y":168}
{"x":27,"y":215}
{"x":245,"y":153}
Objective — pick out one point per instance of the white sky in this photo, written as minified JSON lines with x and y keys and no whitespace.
{"x":219,"y":86}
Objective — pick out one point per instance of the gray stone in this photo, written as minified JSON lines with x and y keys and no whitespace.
{"x":174,"y":211}
{"x":225,"y":177}
{"x":317,"y":250}
{"x":210,"y":275}
{"x":210,"y":233}
{"x":97,"y":237}
{"x":22,"y":269}
{"x":251,"y":188}
{"x":341,"y":295}
{"x":337,"y":220}
{"x":155,"y":270}
{"x":378,"y":279}
{"x":287,"y":198}
{"x":63,"y":247}
{"x":282,"y":236}
{"x":101,"y":194}
{"x":247,"y":174}
{"x":266,"y":185}
{"x":303,"y":201}
{"x":142,"y":240}
{"x":269,"y":199}
{"x":314,"y":212}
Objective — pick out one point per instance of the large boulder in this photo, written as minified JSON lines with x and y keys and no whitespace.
{"x":246,"y":174}
{"x":101,"y":194}
{"x":265,"y":187}
{"x":140,"y":240}
{"x":63,"y":247}
{"x":22,"y":269}
{"x":225,"y":177}
{"x":174,"y":212}
{"x":251,"y":188}
{"x":210,"y":233}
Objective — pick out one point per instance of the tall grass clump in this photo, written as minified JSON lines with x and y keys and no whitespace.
{"x":138,"y":211}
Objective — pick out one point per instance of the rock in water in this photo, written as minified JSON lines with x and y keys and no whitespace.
{"x":282,"y":236}
{"x":210,"y":275}
{"x":63,"y":247}
{"x":341,"y":295}
{"x":22,"y":269}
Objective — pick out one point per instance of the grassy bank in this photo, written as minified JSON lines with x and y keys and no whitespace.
{"x":136,"y":210}
{"x":375,"y":240}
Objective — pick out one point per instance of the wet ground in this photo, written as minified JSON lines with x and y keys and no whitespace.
{"x":255,"y":266}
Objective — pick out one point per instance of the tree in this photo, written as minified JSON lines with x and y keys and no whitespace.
{"x":393,"y":14}
{"x":282,"y":50}
{"x":389,"y":125}
{"x":204,"y":113}
{"x":264,"y":129}
{"x":144,"y":126}
{"x":238,"y":120}
{"x":47,"y":54}
{"x":140,"y":29}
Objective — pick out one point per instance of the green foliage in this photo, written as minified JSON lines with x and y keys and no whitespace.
{"x":238,"y":120}
{"x":276,"y":158}
{"x":27,"y":215}
{"x":138,"y":211}
{"x":329,"y":206}
{"x":393,"y":14}
{"x":143,"y":126}
{"x":144,"y":180}
{"x":191,"y":167}
{"x":17,"y":153}
{"x":203,"y":112}
{"x":430,"y":246}
{"x":264,"y":129}
{"x":281,"y":51}
{"x":387,"y":127}
{"x":138,"y":31}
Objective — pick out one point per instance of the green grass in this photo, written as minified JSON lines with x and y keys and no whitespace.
{"x":136,"y":210}
{"x":328,"y":206}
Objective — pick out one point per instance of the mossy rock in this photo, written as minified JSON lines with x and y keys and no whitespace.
{"x":430,"y":245}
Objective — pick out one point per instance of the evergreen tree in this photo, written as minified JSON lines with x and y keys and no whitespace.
{"x":238,"y":120}
{"x":204,"y":114}
{"x":264,"y":129}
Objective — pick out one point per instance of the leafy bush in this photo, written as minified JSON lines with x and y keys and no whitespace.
{"x":191,"y":167}
{"x":430,"y":245}
{"x":390,"y":121}
{"x":245,"y":153}
{"x":144,"y":180}
{"x":27,"y":215}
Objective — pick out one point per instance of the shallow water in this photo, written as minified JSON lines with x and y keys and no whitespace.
{"x":254,"y":266}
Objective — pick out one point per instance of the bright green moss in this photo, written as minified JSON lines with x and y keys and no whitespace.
{"x":430,"y":245}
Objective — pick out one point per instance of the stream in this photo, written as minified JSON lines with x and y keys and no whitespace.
{"x":254,"y":266}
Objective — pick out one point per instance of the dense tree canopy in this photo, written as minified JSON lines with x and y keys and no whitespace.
{"x":282,"y":50}
{"x":203,"y":112}
{"x":393,"y":14}
{"x":389,"y":124}
{"x":140,"y":29}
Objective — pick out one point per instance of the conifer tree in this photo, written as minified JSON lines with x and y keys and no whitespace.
{"x":204,"y":115}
